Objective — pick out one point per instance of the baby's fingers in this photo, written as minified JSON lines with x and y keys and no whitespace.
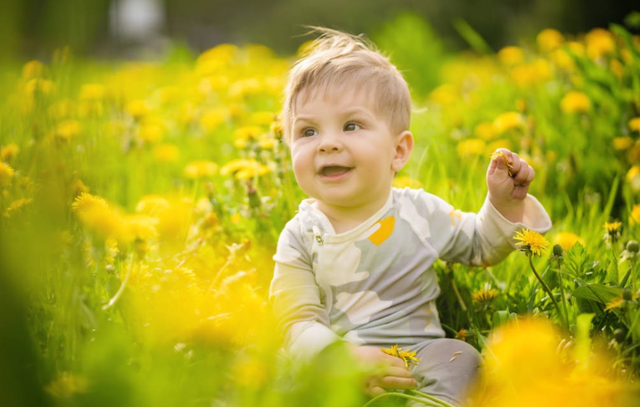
{"x":397,"y":383}
{"x":524,"y":175}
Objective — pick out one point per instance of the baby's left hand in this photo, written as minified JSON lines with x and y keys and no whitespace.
{"x":509,"y":183}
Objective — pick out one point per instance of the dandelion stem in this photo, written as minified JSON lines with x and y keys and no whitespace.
{"x":404,"y":396}
{"x":564,"y":299}
{"x":122,"y":286}
{"x":545,"y":287}
{"x":435,"y":399}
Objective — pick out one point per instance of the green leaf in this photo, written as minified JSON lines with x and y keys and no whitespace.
{"x":597,"y":292}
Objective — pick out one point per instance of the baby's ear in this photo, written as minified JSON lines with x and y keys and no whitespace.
{"x":404,"y":147}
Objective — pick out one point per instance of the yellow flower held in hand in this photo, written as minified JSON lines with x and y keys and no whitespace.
{"x":409,"y":358}
{"x":531,"y":241}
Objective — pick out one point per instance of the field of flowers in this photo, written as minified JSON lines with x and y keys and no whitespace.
{"x":141,"y":204}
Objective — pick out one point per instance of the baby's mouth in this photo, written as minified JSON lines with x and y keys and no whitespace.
{"x":334,"y":170}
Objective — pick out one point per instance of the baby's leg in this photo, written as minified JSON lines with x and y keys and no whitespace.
{"x":447,"y":370}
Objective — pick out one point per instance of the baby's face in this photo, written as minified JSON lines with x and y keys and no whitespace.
{"x":342,"y":148}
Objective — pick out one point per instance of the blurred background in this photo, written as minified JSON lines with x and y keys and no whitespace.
{"x":148,"y":28}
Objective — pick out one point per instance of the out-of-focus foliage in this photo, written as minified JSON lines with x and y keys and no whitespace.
{"x":140,"y":204}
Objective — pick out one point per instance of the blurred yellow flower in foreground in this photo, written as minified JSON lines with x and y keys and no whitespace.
{"x":634,"y":124}
{"x":6,"y":174}
{"x":511,"y":55}
{"x":445,"y":94}
{"x":575,"y":102}
{"x":200,"y":169}
{"x":567,"y":240}
{"x":137,"y":108}
{"x":68,"y":129}
{"x":243,"y":135}
{"x":622,"y":143}
{"x":16,"y":207}
{"x":484,"y":131}
{"x":549,"y":40}
{"x":32,"y":69}
{"x":152,"y":205}
{"x":92,"y":91}
{"x":96,"y":215}
{"x":525,"y":366}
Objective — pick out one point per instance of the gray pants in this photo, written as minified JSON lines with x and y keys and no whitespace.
{"x":447,"y":370}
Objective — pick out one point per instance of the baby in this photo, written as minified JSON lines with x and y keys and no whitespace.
{"x":355,"y":264}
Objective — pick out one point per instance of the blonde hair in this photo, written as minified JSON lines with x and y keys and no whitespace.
{"x":339,"y":59}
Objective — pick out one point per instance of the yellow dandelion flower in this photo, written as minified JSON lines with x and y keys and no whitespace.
{"x":529,"y":241}
{"x":471,"y":147}
{"x":252,"y":171}
{"x":138,"y":227}
{"x":622,"y":143}
{"x":549,"y":40}
{"x":244,"y":87}
{"x":214,"y":118}
{"x":236,"y":218}
{"x":575,"y":102}
{"x":137,"y":108}
{"x":616,"y":302}
{"x":200,"y":169}
{"x":168,"y":94}
{"x":484,"y":296}
{"x":166,"y":153}
{"x":243,"y":135}
{"x":276,"y":128}
{"x":484,"y":131}
{"x":92,"y":92}
{"x":40,"y":86}
{"x":32,"y":69}
{"x":262,"y":118}
{"x":617,"y":68}
{"x":16,"y":207}
{"x":266,"y":141}
{"x":96,"y":215}
{"x":463,"y":334}
{"x":6,"y":174}
{"x":445,"y":94}
{"x":599,"y":43}
{"x":612,"y":231}
{"x":406,"y":182}
{"x":508,"y":121}
{"x":634,"y":218}
{"x":68,"y":129}
{"x":152,"y":130}
{"x":634,"y":124}
{"x":215,"y":58}
{"x":566,"y":240}
{"x":511,"y":55}
{"x":9,"y":152}
{"x":409,"y":358}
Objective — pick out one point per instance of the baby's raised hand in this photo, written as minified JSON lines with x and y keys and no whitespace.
{"x":508,"y":180}
{"x":386,"y":372}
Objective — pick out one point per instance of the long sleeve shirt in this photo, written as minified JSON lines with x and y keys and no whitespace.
{"x":375,"y":284}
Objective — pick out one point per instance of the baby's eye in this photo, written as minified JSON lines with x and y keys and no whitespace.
{"x":352,"y":126}
{"x":309,"y":132}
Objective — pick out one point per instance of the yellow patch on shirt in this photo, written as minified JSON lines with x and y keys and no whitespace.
{"x":385,"y":230}
{"x":455,"y":213}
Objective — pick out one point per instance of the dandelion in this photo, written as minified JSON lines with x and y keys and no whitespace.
{"x":575,"y":102}
{"x":485,"y":131}
{"x":612,"y":233}
{"x":409,"y":358}
{"x":471,"y":147}
{"x":485,"y":296}
{"x":599,"y":43}
{"x":200,"y":169}
{"x":508,"y":121}
{"x":566,"y":240}
{"x":634,"y":124}
{"x":445,"y":94}
{"x":152,"y":205}
{"x":463,"y":335}
{"x":166,"y":153}
{"x":68,"y":129}
{"x":137,"y":108}
{"x":244,"y":169}
{"x":616,"y":303}
{"x":244,"y":135}
{"x":92,"y":92}
{"x":152,"y":130}
{"x":622,"y":143}
{"x":96,"y":215}
{"x":213,"y":118}
{"x":16,"y":206}
{"x":6,"y":174}
{"x":9,"y":151}
{"x":499,"y":154}
{"x":549,"y":40}
{"x":32,"y":69}
{"x":511,"y":55}
{"x":530,"y":241}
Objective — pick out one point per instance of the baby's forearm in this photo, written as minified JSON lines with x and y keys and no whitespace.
{"x":513,"y":211}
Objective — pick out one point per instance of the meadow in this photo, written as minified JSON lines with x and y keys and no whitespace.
{"x":141,"y":204}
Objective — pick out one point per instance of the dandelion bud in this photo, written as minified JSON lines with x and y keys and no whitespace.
{"x":557,"y":250}
{"x":633,"y":246}
{"x":619,"y":335}
{"x":626,"y":295}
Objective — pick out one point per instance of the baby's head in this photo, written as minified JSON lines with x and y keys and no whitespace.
{"x":339,"y":61}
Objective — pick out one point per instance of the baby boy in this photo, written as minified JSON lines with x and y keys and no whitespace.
{"x":356,"y":262}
